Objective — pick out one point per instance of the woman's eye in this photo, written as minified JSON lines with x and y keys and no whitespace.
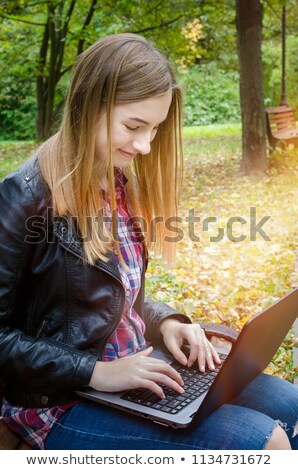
{"x":131,"y":128}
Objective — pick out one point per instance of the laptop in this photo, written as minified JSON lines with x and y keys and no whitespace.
{"x":255,"y":347}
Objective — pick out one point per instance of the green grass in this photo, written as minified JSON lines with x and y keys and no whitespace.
{"x":13,"y":154}
{"x":213,"y":130}
{"x":212,"y":143}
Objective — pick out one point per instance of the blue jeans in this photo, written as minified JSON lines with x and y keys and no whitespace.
{"x":245,"y":423}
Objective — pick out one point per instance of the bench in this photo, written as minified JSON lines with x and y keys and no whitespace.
{"x":220,"y":335}
{"x":10,"y":440}
{"x":281,"y":126}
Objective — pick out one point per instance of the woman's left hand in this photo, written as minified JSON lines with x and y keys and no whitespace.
{"x":175,"y":334}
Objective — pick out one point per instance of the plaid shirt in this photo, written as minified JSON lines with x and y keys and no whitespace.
{"x":128,"y":338}
{"x":34,"y":424}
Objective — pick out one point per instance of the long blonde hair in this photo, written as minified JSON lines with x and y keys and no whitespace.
{"x":117,"y":68}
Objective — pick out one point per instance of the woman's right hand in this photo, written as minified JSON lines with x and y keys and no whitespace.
{"x":137,"y":371}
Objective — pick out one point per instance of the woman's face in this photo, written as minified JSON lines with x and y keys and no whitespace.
{"x":134,"y":127}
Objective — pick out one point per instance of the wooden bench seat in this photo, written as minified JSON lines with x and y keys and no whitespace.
{"x":10,"y":440}
{"x":281,"y":126}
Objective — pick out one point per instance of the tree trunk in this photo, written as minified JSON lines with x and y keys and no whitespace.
{"x":51,"y":56}
{"x":41,"y":93}
{"x":249,"y":29}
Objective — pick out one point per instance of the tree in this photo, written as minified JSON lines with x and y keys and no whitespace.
{"x":51,"y":57}
{"x":44,"y":28}
{"x":56,"y":31}
{"x":249,"y":29}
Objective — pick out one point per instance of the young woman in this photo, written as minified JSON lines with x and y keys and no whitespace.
{"x":76,"y":221}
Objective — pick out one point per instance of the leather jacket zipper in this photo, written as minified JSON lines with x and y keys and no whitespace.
{"x":41,"y":328}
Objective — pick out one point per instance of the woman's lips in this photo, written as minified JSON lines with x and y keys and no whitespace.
{"x":128,"y":154}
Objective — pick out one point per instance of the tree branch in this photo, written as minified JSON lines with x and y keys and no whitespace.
{"x":154,"y":7}
{"x":162,"y":25}
{"x":8,"y":17}
{"x":67,"y":69}
{"x":86,"y":23}
{"x":68,"y":16}
{"x":273,"y":9}
{"x":44,"y":45}
{"x":61,"y":45}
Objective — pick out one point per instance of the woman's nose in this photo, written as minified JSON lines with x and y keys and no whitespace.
{"x":142,"y":144}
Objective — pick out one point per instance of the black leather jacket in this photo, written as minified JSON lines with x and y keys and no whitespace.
{"x":56,"y":313}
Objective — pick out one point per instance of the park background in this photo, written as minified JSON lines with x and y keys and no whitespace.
{"x":227,"y":280}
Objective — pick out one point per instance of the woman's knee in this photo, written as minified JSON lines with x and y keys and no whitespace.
{"x":278,"y":440}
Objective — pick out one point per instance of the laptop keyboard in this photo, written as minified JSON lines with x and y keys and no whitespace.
{"x":195,"y":384}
